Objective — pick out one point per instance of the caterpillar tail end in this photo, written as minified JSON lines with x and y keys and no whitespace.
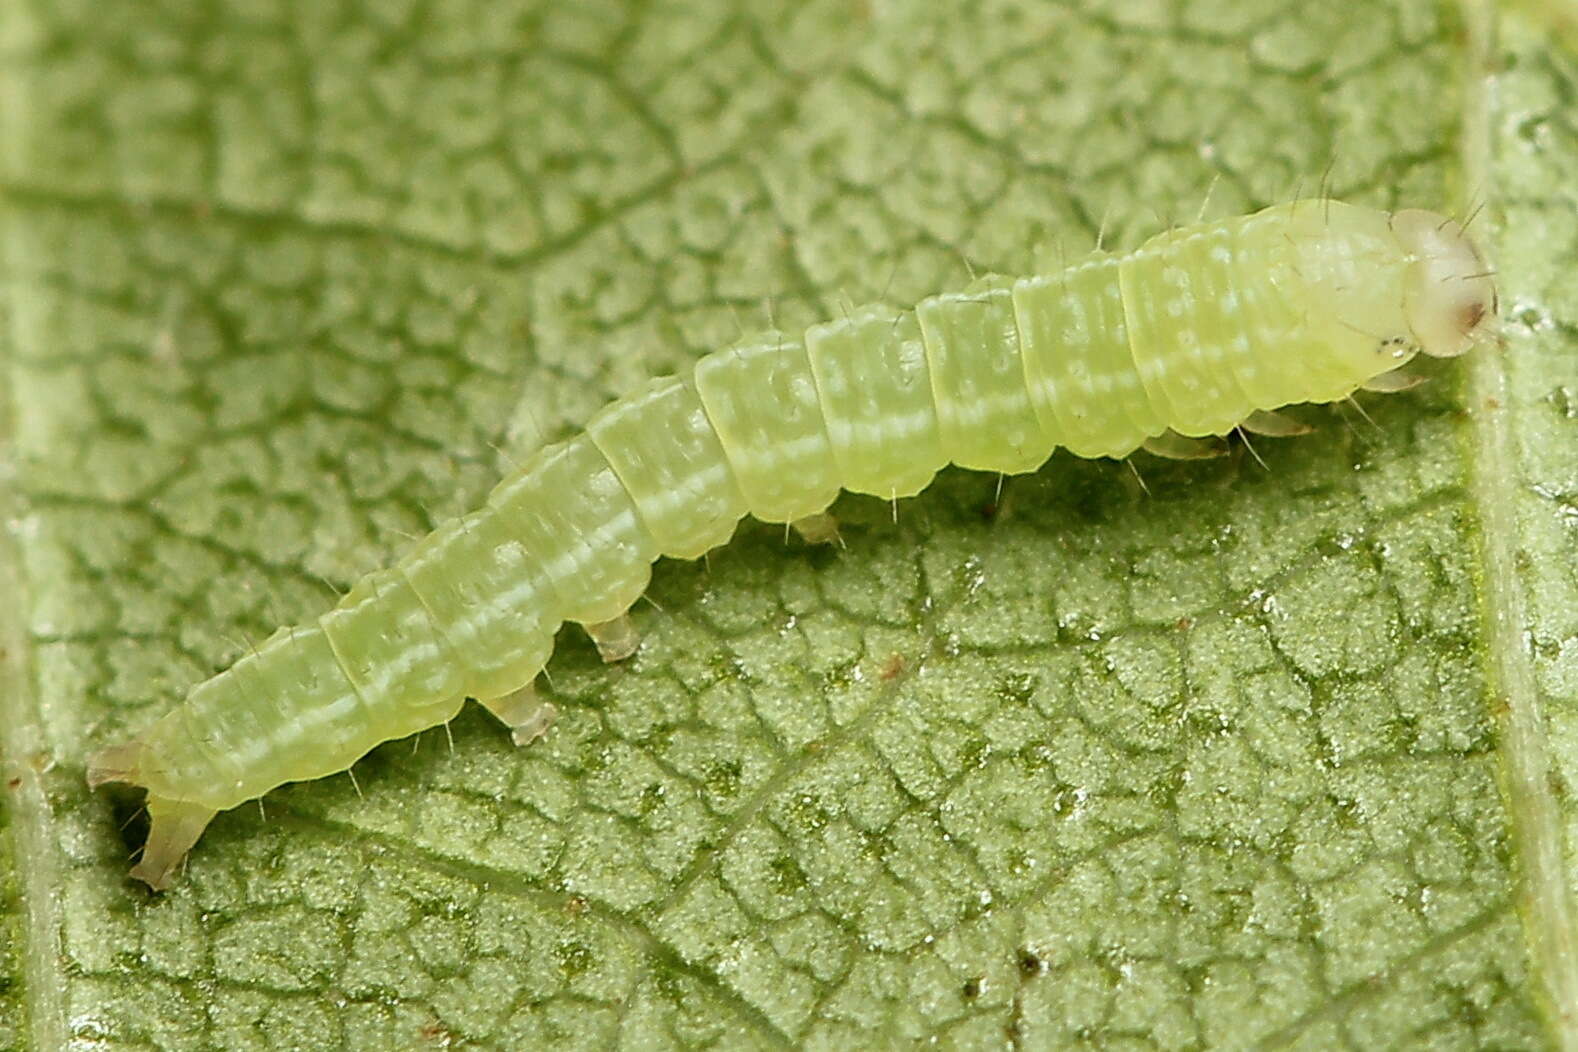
{"x":176,"y":826}
{"x":118,"y":763}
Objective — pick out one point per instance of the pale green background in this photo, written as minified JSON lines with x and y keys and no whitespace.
{"x":283,"y":285}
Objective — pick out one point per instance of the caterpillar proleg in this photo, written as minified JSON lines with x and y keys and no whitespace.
{"x":1198,"y":332}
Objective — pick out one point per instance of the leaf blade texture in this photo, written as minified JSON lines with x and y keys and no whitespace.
{"x":1212,"y":765}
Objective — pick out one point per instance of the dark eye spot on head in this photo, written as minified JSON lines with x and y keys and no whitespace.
{"x":1470,"y":315}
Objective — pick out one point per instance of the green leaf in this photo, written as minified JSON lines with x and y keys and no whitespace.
{"x":1258,"y":756}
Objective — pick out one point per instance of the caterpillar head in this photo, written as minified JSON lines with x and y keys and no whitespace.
{"x":1449,"y":297}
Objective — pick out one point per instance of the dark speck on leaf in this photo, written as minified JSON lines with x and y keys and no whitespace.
{"x":891,"y":667}
{"x":723,"y":778}
{"x":574,"y":958}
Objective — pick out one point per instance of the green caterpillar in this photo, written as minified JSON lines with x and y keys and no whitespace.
{"x":1198,"y":332}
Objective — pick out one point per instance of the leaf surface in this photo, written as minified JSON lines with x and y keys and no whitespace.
{"x":1217,"y":762}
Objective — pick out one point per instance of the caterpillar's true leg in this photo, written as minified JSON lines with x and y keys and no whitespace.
{"x":616,"y":639}
{"x":1173,"y":446}
{"x":820,"y":528}
{"x":1273,"y":425}
{"x":527,"y":715}
{"x":1392,"y":382}
{"x":176,"y":826}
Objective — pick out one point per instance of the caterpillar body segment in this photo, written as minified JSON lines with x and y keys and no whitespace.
{"x":1079,"y":368}
{"x":497,"y":608}
{"x":662,"y":446}
{"x":1198,"y":332}
{"x":984,"y":414}
{"x":762,"y":400}
{"x":877,"y":403}
{"x":574,"y":517}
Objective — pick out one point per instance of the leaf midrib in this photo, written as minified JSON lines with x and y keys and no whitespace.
{"x":21,"y":737}
{"x":1548,"y":911}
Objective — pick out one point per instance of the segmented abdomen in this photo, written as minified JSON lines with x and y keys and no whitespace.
{"x":1097,"y":357}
